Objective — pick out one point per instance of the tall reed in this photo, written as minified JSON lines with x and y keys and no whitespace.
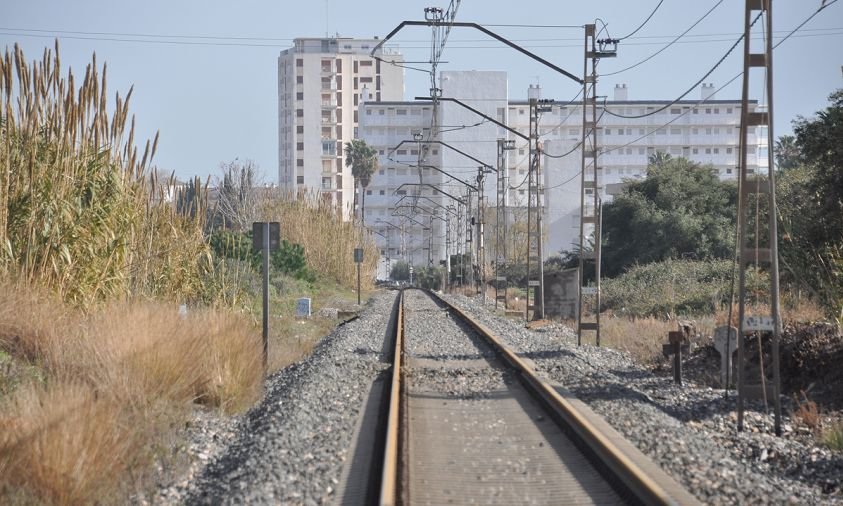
{"x":328,"y":241}
{"x":78,"y":211}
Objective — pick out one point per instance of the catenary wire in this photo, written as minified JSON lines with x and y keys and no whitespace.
{"x":645,"y":21}
{"x":668,"y":44}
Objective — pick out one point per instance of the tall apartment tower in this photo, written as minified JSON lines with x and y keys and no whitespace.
{"x":321,"y":82}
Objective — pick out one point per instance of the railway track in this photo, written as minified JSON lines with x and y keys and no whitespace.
{"x":469,"y":422}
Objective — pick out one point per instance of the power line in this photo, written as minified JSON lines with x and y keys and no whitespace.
{"x":45,"y":34}
{"x":669,"y":44}
{"x":645,"y":21}
{"x":689,"y":90}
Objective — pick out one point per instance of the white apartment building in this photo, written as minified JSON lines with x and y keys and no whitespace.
{"x":321,"y":82}
{"x":704,"y":132}
{"x":428,"y":162}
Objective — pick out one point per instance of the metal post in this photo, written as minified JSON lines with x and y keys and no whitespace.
{"x":750,"y":251}
{"x":265,"y":250}
{"x":535,"y":232}
{"x":590,"y":181}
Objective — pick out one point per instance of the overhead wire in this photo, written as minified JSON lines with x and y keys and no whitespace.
{"x":691,"y":88}
{"x":645,"y":60}
{"x":644,"y":23}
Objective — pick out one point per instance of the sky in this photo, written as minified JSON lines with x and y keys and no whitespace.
{"x":205,"y":72}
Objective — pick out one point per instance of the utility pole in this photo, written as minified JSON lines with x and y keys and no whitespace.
{"x":751,"y":242}
{"x":481,"y":221}
{"x":535,"y":189}
{"x":501,"y":224}
{"x":589,"y":186}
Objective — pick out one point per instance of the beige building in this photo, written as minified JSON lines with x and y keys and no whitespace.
{"x":321,"y":81}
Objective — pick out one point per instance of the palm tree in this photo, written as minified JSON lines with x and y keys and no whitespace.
{"x":363,"y":160}
{"x":659,"y":158}
{"x":786,"y":152}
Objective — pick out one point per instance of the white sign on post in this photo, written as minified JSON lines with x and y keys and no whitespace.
{"x":758,"y":323}
{"x":303,"y":307}
{"x":725,"y":337}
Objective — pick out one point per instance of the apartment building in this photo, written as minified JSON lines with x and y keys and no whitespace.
{"x":321,"y":82}
{"x":429,"y":176}
{"x":418,"y":204}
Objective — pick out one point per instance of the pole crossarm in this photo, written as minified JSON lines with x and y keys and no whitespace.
{"x":435,"y":188}
{"x":483,"y":29}
{"x":475,"y":111}
{"x":463,"y":153}
{"x":437,"y":169}
{"x":433,"y":202}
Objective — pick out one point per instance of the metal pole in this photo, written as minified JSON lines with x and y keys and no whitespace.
{"x":265,"y":250}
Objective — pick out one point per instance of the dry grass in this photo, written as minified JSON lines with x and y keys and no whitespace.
{"x":642,"y":338}
{"x":113,"y":379}
{"x":807,"y":412}
{"x":328,"y":241}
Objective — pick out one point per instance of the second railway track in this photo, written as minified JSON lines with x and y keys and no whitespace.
{"x":470,"y":423}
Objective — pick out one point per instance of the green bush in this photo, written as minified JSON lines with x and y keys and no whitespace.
{"x":684,"y":287}
{"x":289,"y":258}
{"x":400,"y":271}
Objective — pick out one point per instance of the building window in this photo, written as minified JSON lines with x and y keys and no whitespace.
{"x":696,"y":111}
{"x":695,"y":151}
{"x":326,"y":183}
{"x":640,"y":131}
{"x":299,"y":146}
{"x":675,"y":110}
{"x":366,"y":63}
{"x":381,"y":112}
{"x":382,"y":192}
{"x":708,"y":151}
{"x":368,"y":112}
{"x":716,"y":131}
{"x":728,"y":151}
{"x":299,"y":129}
{"x":675,"y":131}
{"x":696,"y":131}
{"x":628,"y":131}
{"x":608,"y":131}
{"x":708,"y":131}
{"x":641,"y":151}
{"x":299,"y":179}
{"x":661,"y":131}
{"x":299,"y":95}
{"x":299,"y":79}
{"x":402,"y":151}
{"x":299,"y":113}
{"x":299,"y":162}
{"x":299,"y":62}
{"x":708,"y":110}
{"x":401,"y":112}
{"x":716,"y":110}
{"x":365,"y":79}
{"x":728,"y":111}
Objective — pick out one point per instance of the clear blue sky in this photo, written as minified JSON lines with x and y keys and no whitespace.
{"x":214,"y":99}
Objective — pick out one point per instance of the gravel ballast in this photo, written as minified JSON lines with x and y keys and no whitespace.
{"x":689,"y":431}
{"x":291,"y":447}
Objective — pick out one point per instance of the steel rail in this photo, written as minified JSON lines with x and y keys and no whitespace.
{"x":636,"y":480}
{"x":389,"y":474}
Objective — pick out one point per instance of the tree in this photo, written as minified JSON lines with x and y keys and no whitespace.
{"x":786,"y":152}
{"x":363,"y":160}
{"x":659,"y":158}
{"x":681,"y":209}
{"x":810,"y":201}
{"x":238,"y":201}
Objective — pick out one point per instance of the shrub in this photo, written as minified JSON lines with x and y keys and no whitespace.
{"x":671,"y":287}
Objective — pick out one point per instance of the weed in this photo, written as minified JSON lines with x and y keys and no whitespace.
{"x":833,"y":437}
{"x":807,"y":412}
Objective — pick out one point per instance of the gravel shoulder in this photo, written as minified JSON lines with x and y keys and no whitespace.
{"x":689,"y":430}
{"x":291,"y":447}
